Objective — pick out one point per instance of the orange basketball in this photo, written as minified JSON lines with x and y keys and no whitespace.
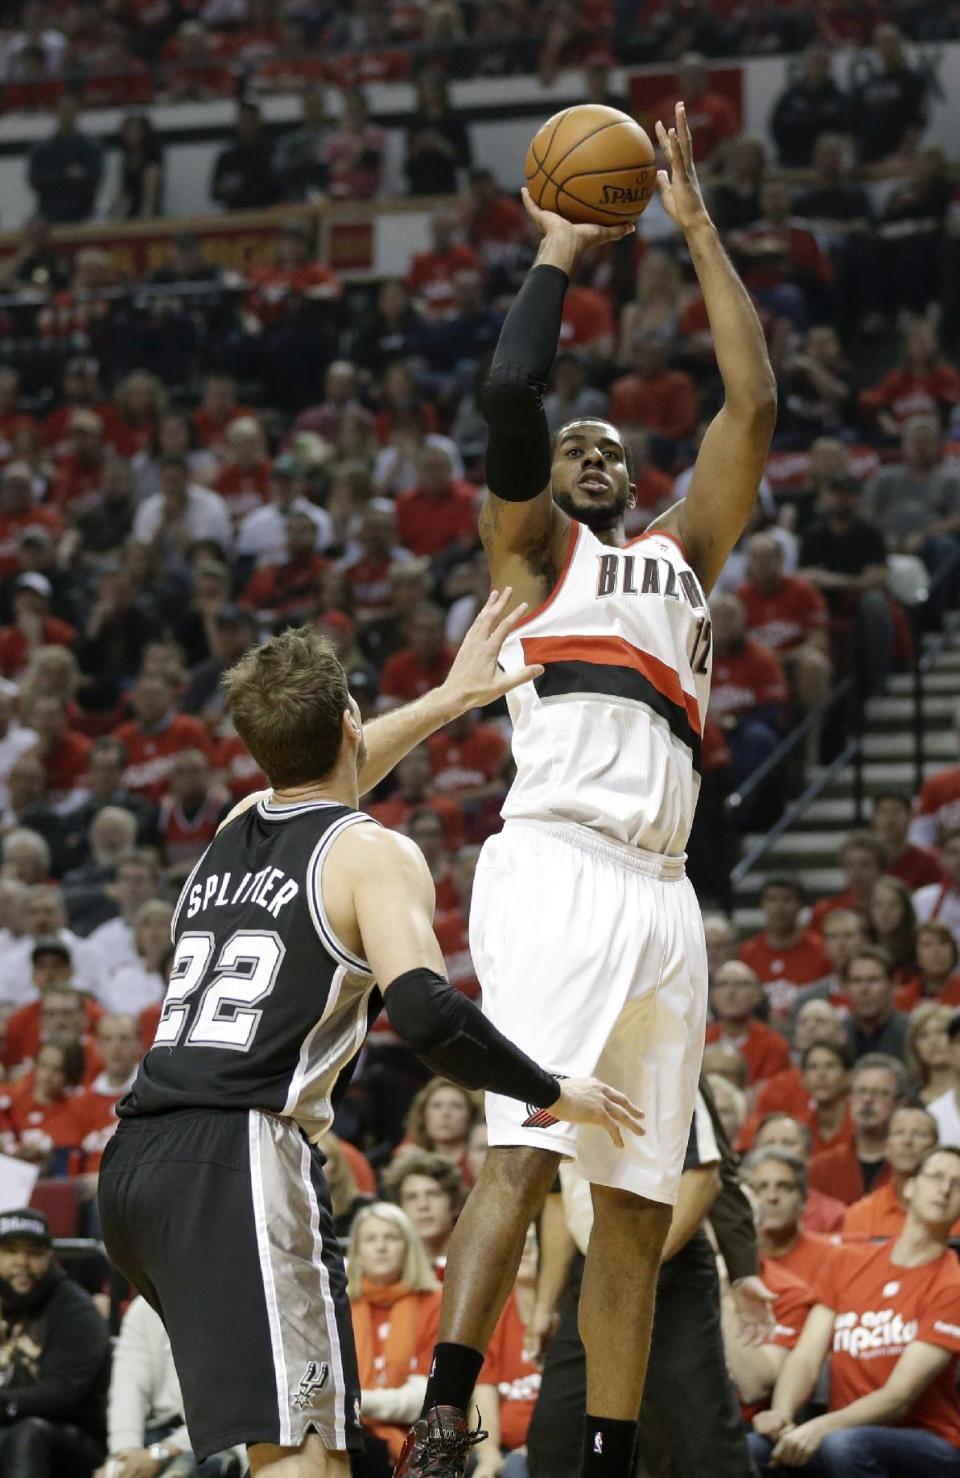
{"x":591,"y":163}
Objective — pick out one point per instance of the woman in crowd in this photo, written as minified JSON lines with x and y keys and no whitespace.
{"x":141,"y":402}
{"x":509,"y":1383}
{"x":660,"y":299}
{"x":438,"y":144}
{"x":936,"y":977}
{"x":440,"y":1120}
{"x":395,"y":1304}
{"x":893,"y":925}
{"x":826,"y":1076}
{"x":140,"y":188}
{"x":41,"y":1106}
{"x":928,"y":1050}
{"x":135,"y":986}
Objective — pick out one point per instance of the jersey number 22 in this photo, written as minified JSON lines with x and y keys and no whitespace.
{"x":243,"y":976}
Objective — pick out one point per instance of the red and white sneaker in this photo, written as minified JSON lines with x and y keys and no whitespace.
{"x":438,"y":1445}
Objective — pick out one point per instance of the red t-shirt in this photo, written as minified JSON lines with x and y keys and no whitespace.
{"x":431,"y":275}
{"x":763,"y":1050}
{"x":905,"y":394}
{"x":185,"y":837}
{"x":836,"y":1171}
{"x":882,"y":1308}
{"x":211,"y":428}
{"x":667,"y":403}
{"x":405,"y":676}
{"x":396,"y":812}
{"x":908,"y":996}
{"x":784,"y":1094}
{"x":284,"y":588}
{"x":712,"y":118}
{"x":274,"y":289}
{"x":14,"y":651}
{"x":150,"y":757}
{"x":749,"y":678}
{"x":21,"y":1040}
{"x":587,"y":318}
{"x":463,"y":764}
{"x":67,"y":764}
{"x":96,"y":1111}
{"x":76,"y":486}
{"x":806,"y":1259}
{"x":516,"y":1378}
{"x":823,"y":906}
{"x":241,"y":771}
{"x":917,"y":867}
{"x":429,"y":526}
{"x":785,"y":619}
{"x":938,"y":806}
{"x":243,"y":488}
{"x":58,"y":1122}
{"x":784,"y":971}
{"x":417,"y":1363}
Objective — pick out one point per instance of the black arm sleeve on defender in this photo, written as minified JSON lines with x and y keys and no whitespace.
{"x":518,"y":452}
{"x":453,"y":1037}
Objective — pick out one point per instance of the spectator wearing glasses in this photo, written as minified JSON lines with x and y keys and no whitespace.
{"x":881,"y":1215}
{"x":888,"y":1312}
{"x":852,"y":1169}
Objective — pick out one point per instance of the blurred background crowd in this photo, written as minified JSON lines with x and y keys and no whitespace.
{"x":193,"y":456}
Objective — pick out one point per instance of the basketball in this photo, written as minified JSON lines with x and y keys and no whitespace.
{"x":591,"y":164}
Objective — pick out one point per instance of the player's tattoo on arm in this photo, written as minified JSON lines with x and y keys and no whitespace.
{"x":491,"y":519}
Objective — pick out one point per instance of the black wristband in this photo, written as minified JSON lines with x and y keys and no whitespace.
{"x":454,"y":1038}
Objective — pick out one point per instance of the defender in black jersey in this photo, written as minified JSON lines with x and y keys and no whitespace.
{"x":301,"y":917}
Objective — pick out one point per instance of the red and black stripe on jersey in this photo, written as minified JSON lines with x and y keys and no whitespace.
{"x":609,"y":665}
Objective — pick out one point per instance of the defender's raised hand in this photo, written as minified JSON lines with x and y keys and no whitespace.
{"x":680,"y":188}
{"x":475,"y":679}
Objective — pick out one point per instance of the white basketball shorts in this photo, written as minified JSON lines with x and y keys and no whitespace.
{"x":591,"y":957}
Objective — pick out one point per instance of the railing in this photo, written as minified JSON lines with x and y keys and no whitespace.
{"x":927,"y":648}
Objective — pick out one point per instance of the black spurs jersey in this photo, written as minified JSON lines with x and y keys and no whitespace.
{"x":265,"y":1007}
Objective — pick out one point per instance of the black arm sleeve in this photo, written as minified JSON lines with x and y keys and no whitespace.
{"x":518,"y":454}
{"x":453,"y":1037}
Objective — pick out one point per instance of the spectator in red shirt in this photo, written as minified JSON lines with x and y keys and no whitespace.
{"x":421,"y":665}
{"x":413,"y":792}
{"x":431,"y":274}
{"x":784,"y":266}
{"x":925,"y":383}
{"x":825,"y":1070}
{"x":936,"y":979}
{"x":734,"y":997}
{"x":816,"y":1021}
{"x":889,"y":1315}
{"x":141,"y":403}
{"x":470,"y":758}
{"x":244,"y":480}
{"x":340,"y":400}
{"x":665,"y":401}
{"x":509,"y":1383}
{"x":785,"y":956}
{"x":18,"y":512}
{"x":789,"y":615}
{"x":292,"y":277}
{"x":881,"y":1215}
{"x":778,"y":1181}
{"x":42,"y":1108}
{"x":439,"y":513}
{"x":863,"y":859}
{"x":371,"y":556}
{"x":33,"y":626}
{"x":80,"y":390}
{"x":64,"y":752}
{"x":890,"y":821}
{"x":857,"y":1166}
{"x":587,"y":322}
{"x":937,"y":809}
{"x":190,"y":812}
{"x":78,"y":477}
{"x":218,"y":407}
{"x":712,"y":117}
{"x":13,"y":420}
{"x":749,"y":689}
{"x":783,"y":1131}
{"x":496,"y":223}
{"x":285,"y":590}
{"x":155,"y":735}
{"x":120,"y":1049}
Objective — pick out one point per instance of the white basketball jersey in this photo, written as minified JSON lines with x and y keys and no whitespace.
{"x":609,"y":736}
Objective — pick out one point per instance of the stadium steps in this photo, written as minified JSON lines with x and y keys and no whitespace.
{"x":811,"y":847}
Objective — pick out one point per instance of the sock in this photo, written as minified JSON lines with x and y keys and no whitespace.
{"x":608,"y":1448}
{"x":453,"y":1375}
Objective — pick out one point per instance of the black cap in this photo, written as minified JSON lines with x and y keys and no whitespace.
{"x":51,"y":945}
{"x":953,"y":1029}
{"x":25,"y":1223}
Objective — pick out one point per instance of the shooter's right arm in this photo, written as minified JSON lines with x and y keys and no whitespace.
{"x":520,"y":526}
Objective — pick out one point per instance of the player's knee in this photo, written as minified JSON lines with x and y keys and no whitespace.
{"x":518,"y":1171}
{"x":634,"y":1218}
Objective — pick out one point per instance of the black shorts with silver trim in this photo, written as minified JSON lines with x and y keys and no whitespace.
{"x":222,"y":1221}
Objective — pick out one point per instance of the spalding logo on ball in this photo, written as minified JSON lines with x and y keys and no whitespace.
{"x":591,"y":164}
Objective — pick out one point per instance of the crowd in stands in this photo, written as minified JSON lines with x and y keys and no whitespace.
{"x":194,"y":459}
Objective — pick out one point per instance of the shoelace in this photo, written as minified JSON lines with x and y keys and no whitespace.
{"x":449,"y":1444}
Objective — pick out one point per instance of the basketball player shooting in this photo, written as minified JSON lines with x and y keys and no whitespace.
{"x":585,"y":932}
{"x":212,"y":1195}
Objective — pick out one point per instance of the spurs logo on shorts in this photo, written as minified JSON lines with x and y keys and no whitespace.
{"x":314,"y":1379}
